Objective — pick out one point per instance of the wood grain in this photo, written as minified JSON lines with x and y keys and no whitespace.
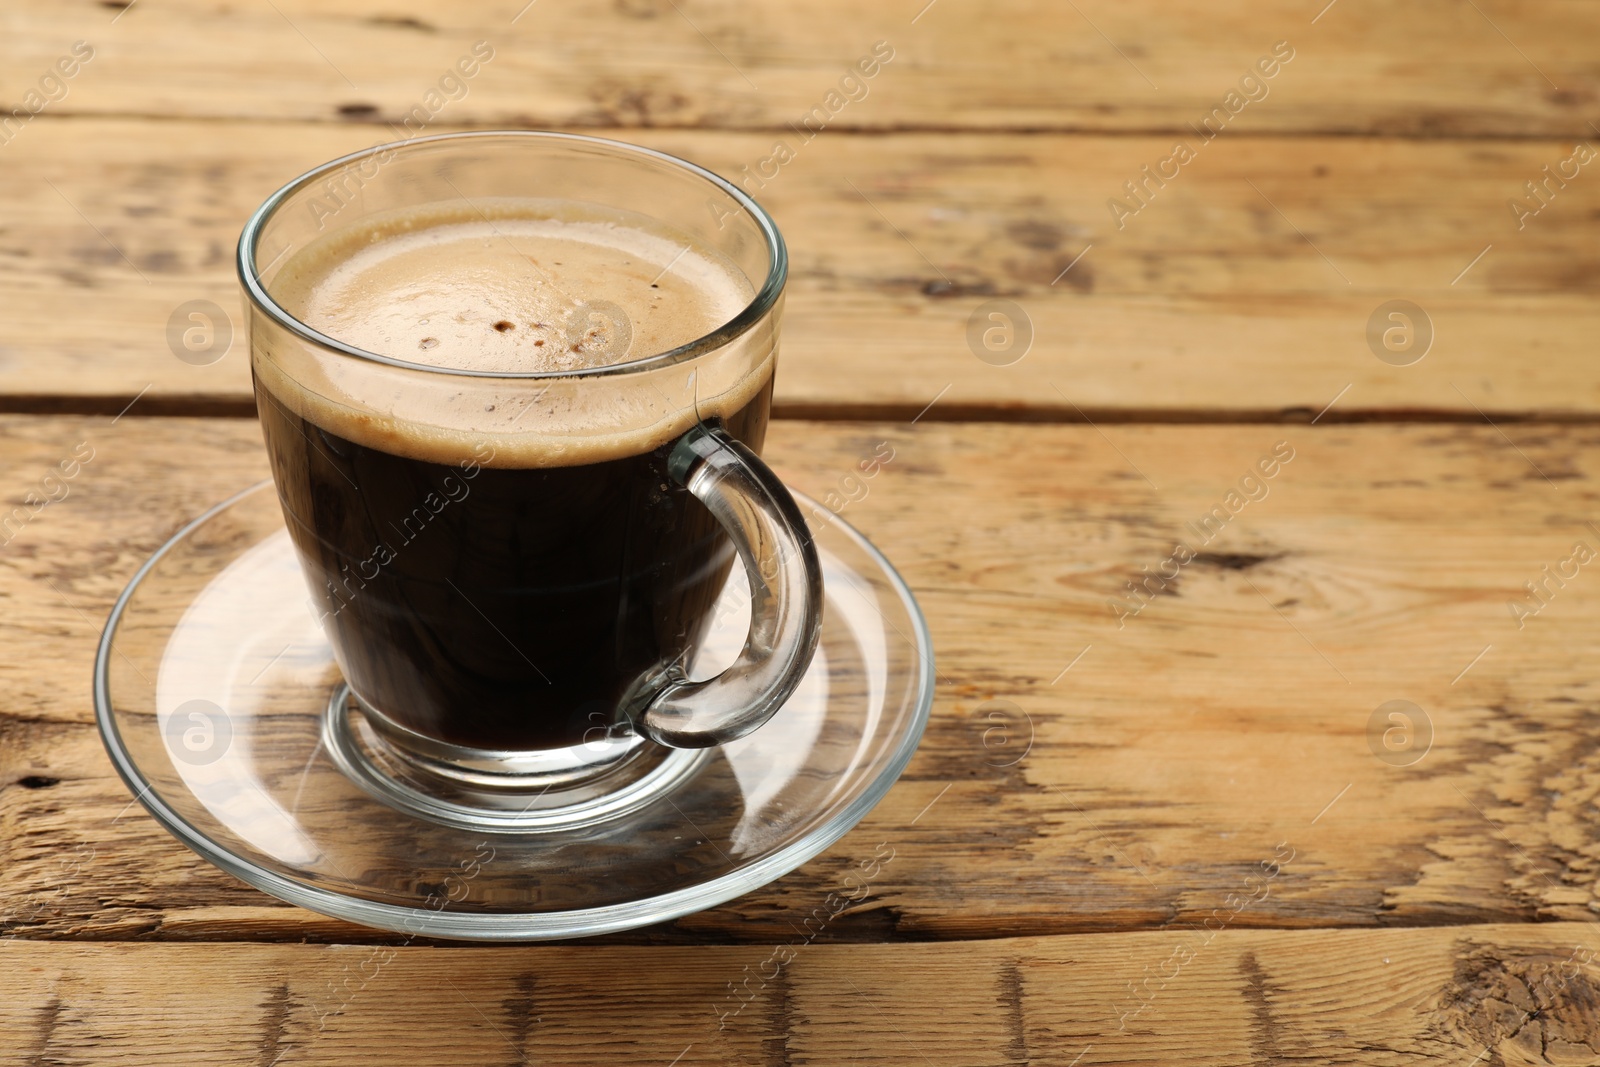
{"x":1503,"y":994}
{"x":1077,"y":775}
{"x":1419,"y":69}
{"x":1184,"y":823}
{"x":1243,"y":291}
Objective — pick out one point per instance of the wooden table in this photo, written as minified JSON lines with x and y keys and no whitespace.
{"x":1142,"y":826}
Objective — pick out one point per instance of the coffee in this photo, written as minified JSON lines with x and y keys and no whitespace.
{"x":487,"y":580}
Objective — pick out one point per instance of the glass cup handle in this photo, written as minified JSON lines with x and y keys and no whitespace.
{"x":785,"y":600}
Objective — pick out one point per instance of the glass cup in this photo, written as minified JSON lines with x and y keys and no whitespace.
{"x":515,"y":569}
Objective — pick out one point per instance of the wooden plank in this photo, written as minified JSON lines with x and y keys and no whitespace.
{"x":1507,"y":994}
{"x":1209,"y":303}
{"x":1362,"y":67}
{"x":1086,"y":768}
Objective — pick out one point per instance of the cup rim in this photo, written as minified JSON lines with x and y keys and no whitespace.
{"x":763,"y":301}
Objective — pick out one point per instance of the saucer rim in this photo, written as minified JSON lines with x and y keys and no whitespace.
{"x":523,"y":926}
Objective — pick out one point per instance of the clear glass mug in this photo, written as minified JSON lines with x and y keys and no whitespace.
{"x":513,"y":624}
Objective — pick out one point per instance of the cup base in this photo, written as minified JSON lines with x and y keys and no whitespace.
{"x":497,"y":791}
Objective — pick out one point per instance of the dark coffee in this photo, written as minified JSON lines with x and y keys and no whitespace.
{"x":504,"y":599}
{"x":499,"y":607}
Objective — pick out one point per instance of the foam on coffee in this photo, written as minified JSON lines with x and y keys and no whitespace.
{"x":507,"y":286}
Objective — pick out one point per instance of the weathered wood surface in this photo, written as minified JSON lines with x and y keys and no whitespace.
{"x":1189,"y":791}
{"x":1521,"y":994}
{"x":1360,"y":66}
{"x":1144,"y":786}
{"x":1207,"y":304}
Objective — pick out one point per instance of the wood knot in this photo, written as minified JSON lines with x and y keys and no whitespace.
{"x":1544,"y":1003}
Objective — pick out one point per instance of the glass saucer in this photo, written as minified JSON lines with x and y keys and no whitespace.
{"x":220,"y":704}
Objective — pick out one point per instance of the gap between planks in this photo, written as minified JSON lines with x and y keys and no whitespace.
{"x":233,"y":406}
{"x":1579,"y":129}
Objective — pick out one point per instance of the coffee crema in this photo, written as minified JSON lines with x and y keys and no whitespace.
{"x":507,"y":286}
